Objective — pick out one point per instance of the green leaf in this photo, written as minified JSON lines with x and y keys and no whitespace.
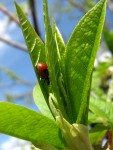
{"x":59,"y":42}
{"x":97,"y":133}
{"x":80,"y":55}
{"x":52,"y":60}
{"x":60,"y":47}
{"x":92,"y":118}
{"x":40,"y":102}
{"x":100,"y":74}
{"x":27,"y":124}
{"x":36,"y":47}
{"x":102,"y":108}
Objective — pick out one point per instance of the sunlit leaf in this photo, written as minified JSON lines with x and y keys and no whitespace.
{"x":36,"y":47}
{"x":40,"y":102}
{"x":27,"y":124}
{"x":80,"y":55}
{"x":59,"y":42}
{"x":52,"y":59}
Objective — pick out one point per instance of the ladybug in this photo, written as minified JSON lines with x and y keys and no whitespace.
{"x":43,"y":70}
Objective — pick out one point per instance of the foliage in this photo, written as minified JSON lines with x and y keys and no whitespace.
{"x":108,"y":36}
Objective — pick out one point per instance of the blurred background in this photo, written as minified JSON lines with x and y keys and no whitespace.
{"x":17,"y":77}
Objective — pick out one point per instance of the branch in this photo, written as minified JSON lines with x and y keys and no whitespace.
{"x":14,"y":18}
{"x":14,"y":44}
{"x":9,"y":14}
{"x":77,"y":5}
{"x":20,"y":96}
{"x":110,"y":5}
{"x":33,"y":11}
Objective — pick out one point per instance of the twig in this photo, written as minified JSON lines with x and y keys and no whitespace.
{"x":9,"y":14}
{"x":33,"y":11}
{"x":77,"y":5}
{"x":21,"y":96}
{"x":14,"y":44}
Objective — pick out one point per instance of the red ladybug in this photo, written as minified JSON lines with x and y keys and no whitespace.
{"x":43,"y":70}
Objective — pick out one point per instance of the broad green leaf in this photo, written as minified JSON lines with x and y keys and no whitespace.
{"x":97,"y":133}
{"x":36,"y":47}
{"x":27,"y":124}
{"x":80,"y":55}
{"x":102,"y":108}
{"x":40,"y":102}
{"x":52,"y":59}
